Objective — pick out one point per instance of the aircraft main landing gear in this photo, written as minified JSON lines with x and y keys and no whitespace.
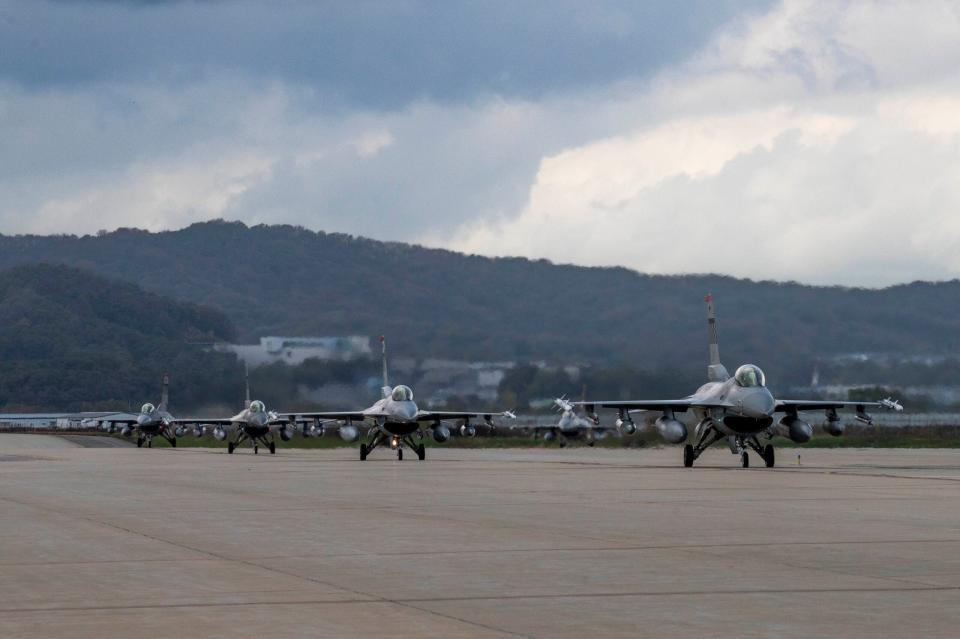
{"x":421,"y":452}
{"x":399,"y":453}
{"x":230,"y":448}
{"x":768,"y":455}
{"x":363,"y":452}
{"x":688,"y":456}
{"x":745,"y":459}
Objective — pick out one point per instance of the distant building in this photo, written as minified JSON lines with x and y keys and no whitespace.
{"x":295,"y":350}
{"x":63,"y":421}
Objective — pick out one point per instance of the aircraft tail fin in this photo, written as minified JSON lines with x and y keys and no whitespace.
{"x":385,"y":390}
{"x":164,"y":391}
{"x":716,"y":372}
{"x":246,"y":375}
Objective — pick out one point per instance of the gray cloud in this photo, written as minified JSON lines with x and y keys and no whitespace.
{"x":376,"y":54}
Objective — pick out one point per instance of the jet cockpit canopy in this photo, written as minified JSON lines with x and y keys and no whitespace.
{"x":147,"y":408}
{"x":749,"y":376}
{"x":257,"y":407}
{"x":402,"y":394}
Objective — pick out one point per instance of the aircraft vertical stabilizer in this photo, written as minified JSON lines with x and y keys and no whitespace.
{"x":716,"y":372}
{"x":246,"y":374}
{"x":385,"y":390}
{"x":164,"y":392}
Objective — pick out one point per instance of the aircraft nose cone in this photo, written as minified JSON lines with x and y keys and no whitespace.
{"x":759,"y":403}
{"x":258,"y":419}
{"x":408,"y":411}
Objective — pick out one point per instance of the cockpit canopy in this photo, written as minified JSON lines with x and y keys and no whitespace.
{"x":257,"y":407}
{"x":749,"y":376}
{"x":402,"y":394}
{"x":146,"y":409}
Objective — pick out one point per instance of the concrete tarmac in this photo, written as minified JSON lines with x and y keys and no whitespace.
{"x":121,"y":542}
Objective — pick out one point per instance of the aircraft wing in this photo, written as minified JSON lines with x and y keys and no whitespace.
{"x":353,"y":416}
{"x":675,"y":405}
{"x":115,"y":420}
{"x":788,"y":405}
{"x":201,"y":421}
{"x":439,"y":415}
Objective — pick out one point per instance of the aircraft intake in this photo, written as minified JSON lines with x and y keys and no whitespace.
{"x":796,"y":429}
{"x":672,"y":430}
{"x":468,"y":431}
{"x":349,"y":433}
{"x":441,"y":433}
{"x":219,"y":433}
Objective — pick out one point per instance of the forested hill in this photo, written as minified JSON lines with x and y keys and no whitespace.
{"x":71,"y":340}
{"x":287,"y":280}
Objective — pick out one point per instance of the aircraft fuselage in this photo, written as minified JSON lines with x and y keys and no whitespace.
{"x":751,"y":411}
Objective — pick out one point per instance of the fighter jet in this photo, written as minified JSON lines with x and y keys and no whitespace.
{"x":392,"y":421}
{"x":574,"y":425}
{"x":153,"y":421}
{"x":739,"y":409}
{"x":254,"y":424}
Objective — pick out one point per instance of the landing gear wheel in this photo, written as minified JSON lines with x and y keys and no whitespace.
{"x":230,"y":448}
{"x":563,"y":444}
{"x":256,"y":449}
{"x":421,"y":452}
{"x":139,"y":442}
{"x":745,"y":460}
{"x":363,"y":452}
{"x":768,"y":455}
{"x":273,"y":448}
{"x":688,"y":456}
{"x":399,"y":454}
{"x":173,"y":442}
{"x":149,"y":443}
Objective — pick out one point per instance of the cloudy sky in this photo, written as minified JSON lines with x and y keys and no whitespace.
{"x":791,"y":140}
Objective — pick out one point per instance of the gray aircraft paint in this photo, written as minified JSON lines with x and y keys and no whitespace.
{"x":392,"y":420}
{"x":739,"y":409}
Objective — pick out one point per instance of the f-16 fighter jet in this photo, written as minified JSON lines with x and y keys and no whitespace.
{"x":394,"y":420}
{"x":574,"y":425}
{"x":254,"y":424}
{"x":153,"y":421}
{"x":738,"y":409}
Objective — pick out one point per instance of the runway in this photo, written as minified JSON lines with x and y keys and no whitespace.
{"x":111,"y":542}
